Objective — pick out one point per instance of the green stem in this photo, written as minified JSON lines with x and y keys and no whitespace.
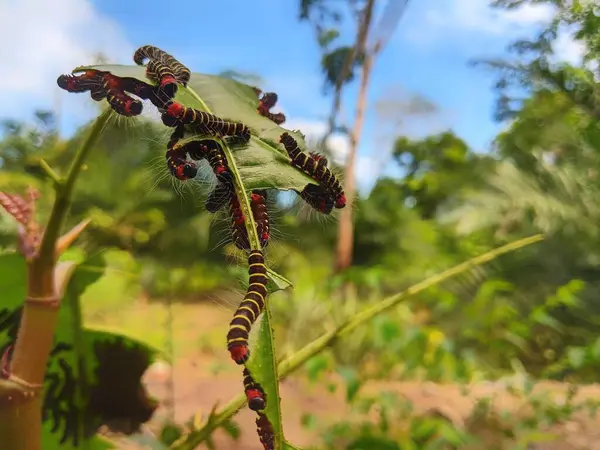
{"x":20,"y":397}
{"x":299,"y":358}
{"x":51,"y":174}
{"x":64,"y":194}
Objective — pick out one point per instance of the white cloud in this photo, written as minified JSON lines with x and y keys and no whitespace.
{"x":40,"y":40}
{"x":568,"y":49}
{"x":471,"y":23}
{"x":478,"y":16}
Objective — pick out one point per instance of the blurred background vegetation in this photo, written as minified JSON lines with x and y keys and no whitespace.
{"x":173,"y":280}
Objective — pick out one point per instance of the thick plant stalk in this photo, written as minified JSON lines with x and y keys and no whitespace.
{"x":21,"y":392}
{"x":194,"y":438}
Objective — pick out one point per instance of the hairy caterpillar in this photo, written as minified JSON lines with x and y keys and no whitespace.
{"x":268,"y":101}
{"x":250,"y":308}
{"x":162,"y":74}
{"x":104,"y":85}
{"x":218,"y":197}
{"x":318,"y":198}
{"x":261,"y":216}
{"x":315,"y":169}
{"x":191,"y":116}
{"x":278,"y":118}
{"x":179,"y":166}
{"x":265,"y":432}
{"x":123,"y":103}
{"x":87,"y":81}
{"x":257,"y":399}
{"x":181,"y":72}
{"x":182,"y":169}
{"x":239,"y":234}
{"x":177,"y":134}
{"x":216,"y":159}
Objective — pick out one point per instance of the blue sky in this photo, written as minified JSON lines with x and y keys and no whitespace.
{"x":427,"y":55}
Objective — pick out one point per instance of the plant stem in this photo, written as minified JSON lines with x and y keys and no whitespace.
{"x":51,"y":173}
{"x":20,"y":394}
{"x":292,"y":363}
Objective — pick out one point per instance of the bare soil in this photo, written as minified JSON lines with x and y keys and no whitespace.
{"x":197,"y":387}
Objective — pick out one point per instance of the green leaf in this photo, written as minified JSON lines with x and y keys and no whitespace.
{"x":263,"y":367}
{"x":262,"y":163}
{"x":279,"y":282}
{"x":352,"y":380}
{"x":108,"y":365}
{"x":576,"y":357}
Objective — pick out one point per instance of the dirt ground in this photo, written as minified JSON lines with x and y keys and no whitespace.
{"x":196,"y":388}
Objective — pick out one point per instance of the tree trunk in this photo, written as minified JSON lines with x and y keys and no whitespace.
{"x":346,"y":227}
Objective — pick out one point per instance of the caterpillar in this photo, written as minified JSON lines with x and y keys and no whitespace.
{"x":177,"y":134}
{"x":250,"y":308}
{"x":315,"y":169}
{"x":179,"y":166}
{"x":87,"y":81}
{"x":123,"y":103}
{"x":239,"y":233}
{"x":182,"y":169}
{"x":217,"y":160}
{"x":265,"y":432}
{"x":257,"y":399}
{"x":104,"y":85}
{"x":320,"y":159}
{"x":162,"y":74}
{"x":138,"y":88}
{"x":191,"y":116}
{"x":268,"y":101}
{"x":318,"y":198}
{"x":278,"y":118}
{"x":181,"y":72}
{"x":218,"y":197}
{"x":261,"y":216}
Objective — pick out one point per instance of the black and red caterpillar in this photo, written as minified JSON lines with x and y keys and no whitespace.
{"x":250,"y":308}
{"x":257,"y":399}
{"x":176,"y":114}
{"x":179,"y":72}
{"x":266,"y":102}
{"x":315,"y":166}
{"x":104,"y":85}
{"x":239,"y":233}
{"x":183,"y":168}
{"x":264,"y":428}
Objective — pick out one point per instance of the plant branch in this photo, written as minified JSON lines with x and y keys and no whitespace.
{"x":62,"y":202}
{"x":292,"y":363}
{"x":58,"y":181}
{"x":20,"y":394}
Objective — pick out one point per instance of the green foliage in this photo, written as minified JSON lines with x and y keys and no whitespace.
{"x":82,"y":361}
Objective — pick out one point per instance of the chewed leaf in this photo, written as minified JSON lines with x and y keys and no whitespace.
{"x":262,"y":163}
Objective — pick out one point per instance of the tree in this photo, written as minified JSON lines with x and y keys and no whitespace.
{"x":339,"y":65}
{"x":436,"y":169}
